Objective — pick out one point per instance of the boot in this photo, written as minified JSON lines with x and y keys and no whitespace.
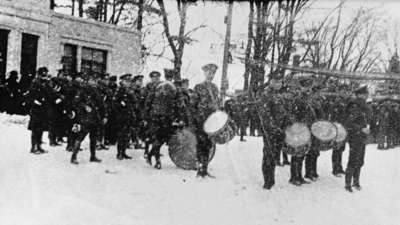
{"x":125,"y":156}
{"x":40,"y":149}
{"x":348,"y":188}
{"x":73,"y":159}
{"x":94,"y":159}
{"x":348,"y":177}
{"x":158,"y":164}
{"x":356,"y":179}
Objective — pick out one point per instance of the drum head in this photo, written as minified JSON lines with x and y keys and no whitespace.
{"x":182,"y":149}
{"x":324,"y":130}
{"x":341,"y":133}
{"x":215,"y":122}
{"x":297,"y":135}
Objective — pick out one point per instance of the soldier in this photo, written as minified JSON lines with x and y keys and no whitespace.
{"x":14,"y":93}
{"x":206,"y":103}
{"x":337,"y":114}
{"x":55,"y":109}
{"x":271,"y":111}
{"x":39,"y":105}
{"x":301,"y":112}
{"x":107,"y":99}
{"x":162,"y":115}
{"x":358,"y":128}
{"x":316,"y":103}
{"x":125,"y":116}
{"x":383,"y":125}
{"x":89,"y":114}
{"x":110,"y":133}
{"x":138,"y":95}
{"x":149,"y":95}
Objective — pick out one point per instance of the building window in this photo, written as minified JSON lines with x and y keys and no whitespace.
{"x":69,"y":59}
{"x":94,"y":61}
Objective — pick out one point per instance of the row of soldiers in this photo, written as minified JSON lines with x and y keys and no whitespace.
{"x":78,"y":105}
{"x":277,"y":107}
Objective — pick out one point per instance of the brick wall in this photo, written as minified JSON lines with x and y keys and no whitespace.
{"x":55,"y":30}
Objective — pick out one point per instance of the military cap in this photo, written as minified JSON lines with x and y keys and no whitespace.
{"x":126,"y":76}
{"x":210,"y":67}
{"x":14,"y":73}
{"x":361,"y":90}
{"x":42,"y":70}
{"x":154,"y":74}
{"x":137,"y":77}
{"x":185,"y":81}
{"x":113,"y":78}
{"x":169,"y":73}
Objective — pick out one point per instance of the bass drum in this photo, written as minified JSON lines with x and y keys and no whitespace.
{"x":297,"y":139}
{"x":183,"y":149}
{"x":219,"y":127}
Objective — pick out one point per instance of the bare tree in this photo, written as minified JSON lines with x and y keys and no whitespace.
{"x":248,"y":47}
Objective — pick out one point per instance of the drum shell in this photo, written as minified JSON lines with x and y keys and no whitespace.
{"x":184,"y":154}
{"x":319,"y":131}
{"x":297,"y":135}
{"x":299,"y":151}
{"x":224,"y":135}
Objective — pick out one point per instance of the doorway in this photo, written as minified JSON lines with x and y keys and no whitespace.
{"x":3,"y":54}
{"x":29,"y":54}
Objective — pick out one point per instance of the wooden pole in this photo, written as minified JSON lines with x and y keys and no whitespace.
{"x":224,"y":79}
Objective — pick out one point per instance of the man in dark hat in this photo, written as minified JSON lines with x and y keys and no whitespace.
{"x":39,"y":103}
{"x":111,"y":134}
{"x":161,"y":116}
{"x":14,"y":93}
{"x":138,"y":96}
{"x":89,"y":114}
{"x":149,"y":94}
{"x":207,"y":102}
{"x":125,"y":117}
{"x":358,"y":128}
{"x":169,"y":74}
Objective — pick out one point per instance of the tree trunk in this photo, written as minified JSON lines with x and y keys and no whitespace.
{"x":73,"y":8}
{"x":247,"y":63}
{"x":140,"y":15}
{"x":80,"y":8}
{"x":105,"y":10}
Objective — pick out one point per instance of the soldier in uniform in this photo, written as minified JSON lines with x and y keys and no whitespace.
{"x":149,"y":95}
{"x":206,"y":103}
{"x":316,"y":103}
{"x":38,"y":108}
{"x":162,"y":115}
{"x":125,"y":116}
{"x":110,"y":133}
{"x":337,"y":114}
{"x":89,"y":114}
{"x":301,"y":112}
{"x":107,"y":99}
{"x":358,"y":128}
{"x":14,"y":93}
{"x":138,"y":92}
{"x":271,"y":111}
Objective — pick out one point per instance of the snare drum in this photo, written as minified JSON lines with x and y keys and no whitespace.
{"x":219,"y":127}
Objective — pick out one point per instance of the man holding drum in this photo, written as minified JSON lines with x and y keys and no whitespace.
{"x":358,"y":129}
{"x":206,"y":102}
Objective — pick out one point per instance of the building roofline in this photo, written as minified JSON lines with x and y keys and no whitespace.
{"x":96,"y":23}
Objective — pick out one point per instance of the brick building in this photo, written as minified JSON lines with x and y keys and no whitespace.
{"x":32,"y":35}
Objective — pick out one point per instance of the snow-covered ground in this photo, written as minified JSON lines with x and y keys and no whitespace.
{"x":48,"y":190}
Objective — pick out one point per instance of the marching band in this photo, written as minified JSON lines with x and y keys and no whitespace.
{"x":296,"y":121}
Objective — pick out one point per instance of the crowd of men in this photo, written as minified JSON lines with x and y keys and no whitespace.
{"x":127,"y":112}
{"x":73,"y":106}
